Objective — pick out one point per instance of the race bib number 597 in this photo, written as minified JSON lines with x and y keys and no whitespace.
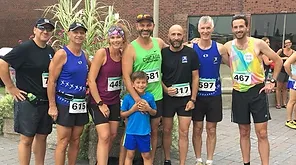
{"x":242,"y":78}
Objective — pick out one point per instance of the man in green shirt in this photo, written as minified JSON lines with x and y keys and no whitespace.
{"x":144,"y":54}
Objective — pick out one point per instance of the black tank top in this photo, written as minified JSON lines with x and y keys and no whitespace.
{"x":284,"y":55}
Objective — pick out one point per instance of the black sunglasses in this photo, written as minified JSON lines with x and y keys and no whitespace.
{"x":42,"y":28}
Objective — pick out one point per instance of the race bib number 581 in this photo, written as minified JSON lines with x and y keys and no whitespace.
{"x":242,"y":78}
{"x":153,"y":76}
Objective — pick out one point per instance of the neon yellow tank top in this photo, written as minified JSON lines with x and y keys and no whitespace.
{"x":246,"y":67}
{"x":149,"y":61}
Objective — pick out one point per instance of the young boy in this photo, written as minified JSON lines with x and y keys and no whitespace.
{"x":137,"y":135}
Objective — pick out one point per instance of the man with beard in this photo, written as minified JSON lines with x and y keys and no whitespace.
{"x":180,"y":83}
{"x":209,"y":100}
{"x":30,"y":61}
{"x":144,"y":54}
{"x":249,"y":89}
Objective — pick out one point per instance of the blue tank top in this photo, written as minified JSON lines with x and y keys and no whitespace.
{"x":209,"y":71}
{"x":72,"y":79}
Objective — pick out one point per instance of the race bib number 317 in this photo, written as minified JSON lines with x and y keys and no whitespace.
{"x":182,"y":89}
{"x":242,"y":78}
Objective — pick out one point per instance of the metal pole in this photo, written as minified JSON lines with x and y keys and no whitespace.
{"x":156,"y":17}
{"x":284,"y":30}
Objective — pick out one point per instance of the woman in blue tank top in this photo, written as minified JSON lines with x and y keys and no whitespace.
{"x":66,"y":93}
{"x":105,"y":85}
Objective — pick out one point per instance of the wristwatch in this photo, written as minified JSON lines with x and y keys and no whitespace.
{"x":100,"y":103}
{"x":192,"y":100}
{"x":272,"y":80}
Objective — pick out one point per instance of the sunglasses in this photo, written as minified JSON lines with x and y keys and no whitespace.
{"x":288,"y":43}
{"x":43,"y":28}
{"x":141,"y":16}
{"x":114,"y":30}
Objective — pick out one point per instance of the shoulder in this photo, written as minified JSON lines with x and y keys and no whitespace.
{"x":127,"y":97}
{"x":129,"y":49}
{"x":60,"y":54}
{"x":161,"y":43}
{"x":189,"y":50}
{"x":101,"y":52}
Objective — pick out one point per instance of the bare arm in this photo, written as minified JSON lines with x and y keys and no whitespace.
{"x":194,"y":85}
{"x":5,"y":77}
{"x":266,"y":50}
{"x":87,"y":60}
{"x":125,"y":114}
{"x":223,"y":52}
{"x":161,"y":43}
{"x":266,"y":60}
{"x":97,"y":62}
{"x":127,"y":69}
{"x":287,"y":64}
{"x":55,"y":69}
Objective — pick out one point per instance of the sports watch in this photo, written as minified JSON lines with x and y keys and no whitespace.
{"x":272,"y":80}
{"x":100,"y":103}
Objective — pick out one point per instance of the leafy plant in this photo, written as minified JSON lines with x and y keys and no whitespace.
{"x":6,"y":109}
{"x":96,"y":17}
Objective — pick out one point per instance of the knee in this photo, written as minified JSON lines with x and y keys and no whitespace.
{"x":183,"y":133}
{"x":75,"y":140}
{"x":211,"y":132}
{"x":146,"y":156}
{"x":167,"y":130}
{"x":262,"y":134}
{"x":26,"y":142}
{"x":245,"y":133}
{"x":113,"y":135}
{"x":63,"y":142}
{"x":130,"y":155}
{"x":197,"y":131}
{"x":104,"y":137}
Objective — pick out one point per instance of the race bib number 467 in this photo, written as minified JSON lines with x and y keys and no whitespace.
{"x":242,"y":78}
{"x":153,"y":76}
{"x":182,"y":89}
{"x":78,"y":106}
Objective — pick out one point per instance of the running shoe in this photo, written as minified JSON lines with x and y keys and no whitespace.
{"x":167,"y":162}
{"x":199,"y":163}
{"x":290,"y":124}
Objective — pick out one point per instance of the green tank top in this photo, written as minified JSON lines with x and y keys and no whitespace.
{"x":149,"y":61}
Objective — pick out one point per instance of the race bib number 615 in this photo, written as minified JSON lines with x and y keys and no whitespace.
{"x":78,"y":106}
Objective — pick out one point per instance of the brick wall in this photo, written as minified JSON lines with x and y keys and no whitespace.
{"x":18,"y":16}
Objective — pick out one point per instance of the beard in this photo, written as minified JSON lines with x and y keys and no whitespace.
{"x":176,"y":44}
{"x":148,"y":31}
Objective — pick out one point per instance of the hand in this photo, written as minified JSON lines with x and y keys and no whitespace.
{"x":293,"y":77}
{"x":143,"y":106}
{"x":189,"y":106}
{"x":53,"y":112}
{"x":105,"y":110}
{"x":172,"y":91}
{"x":195,"y":40}
{"x":267,"y":88}
{"x":17,"y":93}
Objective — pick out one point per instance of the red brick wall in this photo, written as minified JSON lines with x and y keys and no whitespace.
{"x":17,"y":16}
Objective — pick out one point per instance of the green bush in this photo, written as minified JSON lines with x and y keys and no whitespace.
{"x":6,"y":109}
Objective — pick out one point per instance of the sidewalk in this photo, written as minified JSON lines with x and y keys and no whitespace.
{"x":282,"y":144}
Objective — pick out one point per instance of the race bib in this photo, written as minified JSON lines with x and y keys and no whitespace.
{"x":153,"y":76}
{"x":114,"y":83}
{"x":77,"y":106}
{"x":242,"y":78}
{"x":207,"y":85}
{"x":182,"y":90}
{"x":44,"y":80}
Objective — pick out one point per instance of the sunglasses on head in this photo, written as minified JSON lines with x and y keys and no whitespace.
{"x":43,"y":28}
{"x":116,"y":31}
{"x":140,"y":16}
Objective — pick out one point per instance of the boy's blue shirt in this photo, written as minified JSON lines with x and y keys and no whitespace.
{"x":138,"y":123}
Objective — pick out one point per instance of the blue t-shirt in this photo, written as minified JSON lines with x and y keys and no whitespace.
{"x":209,"y":71}
{"x":138,"y":123}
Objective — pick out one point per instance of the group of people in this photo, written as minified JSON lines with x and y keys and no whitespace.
{"x":161,"y":80}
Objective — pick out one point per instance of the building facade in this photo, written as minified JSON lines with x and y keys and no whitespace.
{"x":271,"y":18}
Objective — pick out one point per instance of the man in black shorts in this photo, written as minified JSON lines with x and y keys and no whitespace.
{"x":249,"y":89}
{"x":30,"y":61}
{"x":180,"y":83}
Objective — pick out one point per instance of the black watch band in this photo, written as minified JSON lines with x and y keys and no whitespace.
{"x":100,"y":103}
{"x":192,"y":100}
{"x":272,"y":80}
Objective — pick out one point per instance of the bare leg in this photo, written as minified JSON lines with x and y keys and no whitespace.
{"x":263,"y":143}
{"x":290,"y":105}
{"x":184,"y":123}
{"x":113,"y":132}
{"x":245,"y":144}
{"x":197,"y":138}
{"x":284,"y":94}
{"x":39,"y":148}
{"x":74,"y":144}
{"x":24,"y":149}
{"x":154,"y":130}
{"x":167,"y":136}
{"x":130,"y":154}
{"x":211,"y":139}
{"x":63,"y":139}
{"x":103,"y":131}
{"x":147,"y":158}
{"x":279,"y":93}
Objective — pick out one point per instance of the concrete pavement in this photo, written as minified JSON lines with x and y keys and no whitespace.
{"x":282,"y":145}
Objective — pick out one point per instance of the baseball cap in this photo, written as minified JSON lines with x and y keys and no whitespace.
{"x":76,"y":25}
{"x":142,"y":17}
{"x":43,"y":21}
